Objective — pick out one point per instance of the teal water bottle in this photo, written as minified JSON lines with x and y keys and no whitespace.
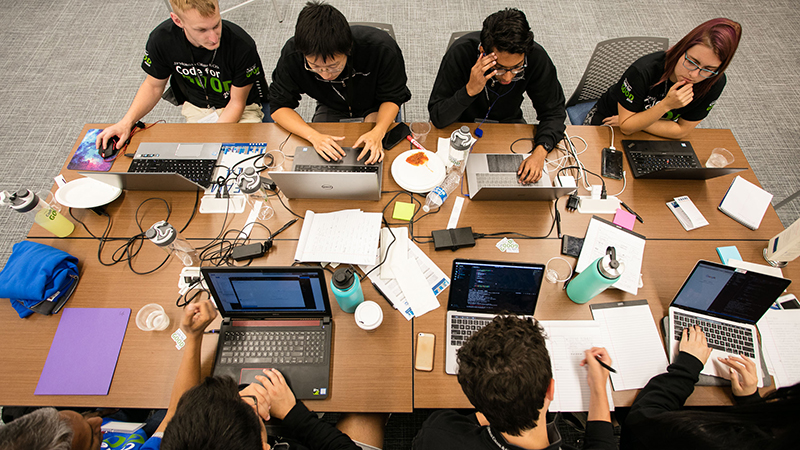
{"x":596,"y":278}
{"x":347,"y":289}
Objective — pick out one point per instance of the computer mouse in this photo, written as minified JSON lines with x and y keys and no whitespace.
{"x":111,"y":149}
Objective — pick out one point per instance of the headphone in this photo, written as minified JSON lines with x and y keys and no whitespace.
{"x":249,"y":181}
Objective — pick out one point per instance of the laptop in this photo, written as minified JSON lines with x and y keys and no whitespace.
{"x":145,"y":181}
{"x":726,"y":302}
{"x":493,"y":176}
{"x":480,"y":290}
{"x":313,"y":177}
{"x":669,"y":160}
{"x":273,"y":317}
{"x":195,"y":161}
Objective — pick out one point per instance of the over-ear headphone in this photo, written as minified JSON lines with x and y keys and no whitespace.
{"x":248,"y":180}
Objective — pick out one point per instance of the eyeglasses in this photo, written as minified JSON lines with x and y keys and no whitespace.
{"x":515,"y":70}
{"x":335,"y":68}
{"x":255,"y":401}
{"x":692,"y":66}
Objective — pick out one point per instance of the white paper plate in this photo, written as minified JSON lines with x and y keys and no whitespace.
{"x":86,"y":193}
{"x":418,"y":179}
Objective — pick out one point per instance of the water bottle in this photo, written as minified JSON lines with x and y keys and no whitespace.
{"x":596,"y":278}
{"x":460,"y":142}
{"x":167,"y":237}
{"x":250,"y":184}
{"x":438,"y":195}
{"x":347,"y":289}
{"x":27,"y":202}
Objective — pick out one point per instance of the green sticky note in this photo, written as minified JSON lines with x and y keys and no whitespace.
{"x":403,"y":211}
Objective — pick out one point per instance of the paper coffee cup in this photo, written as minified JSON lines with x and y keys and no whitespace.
{"x":368,"y":315}
{"x":152,"y":318}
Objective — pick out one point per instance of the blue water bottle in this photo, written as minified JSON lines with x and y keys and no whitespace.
{"x":596,"y":278}
{"x":347,"y":289}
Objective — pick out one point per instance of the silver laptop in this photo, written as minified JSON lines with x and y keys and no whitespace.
{"x":195,"y":161}
{"x":480,"y":290}
{"x":726,"y":302}
{"x":493,"y":176}
{"x":313,"y":177}
{"x":145,"y":181}
{"x":273,"y":317}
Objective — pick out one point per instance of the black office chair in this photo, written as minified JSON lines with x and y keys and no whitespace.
{"x":457,"y":35}
{"x":609,"y":61}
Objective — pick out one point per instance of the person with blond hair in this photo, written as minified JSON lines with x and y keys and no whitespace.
{"x":212,"y":65}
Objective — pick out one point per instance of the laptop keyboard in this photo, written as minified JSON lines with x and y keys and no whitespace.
{"x":273,"y":347}
{"x":197,"y":170}
{"x":499,"y":179}
{"x":462,"y":327}
{"x":361,"y":168}
{"x":721,"y":336}
{"x":647,"y":162}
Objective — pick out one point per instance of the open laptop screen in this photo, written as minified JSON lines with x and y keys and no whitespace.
{"x":268,"y":291}
{"x":729,"y":293}
{"x":494,"y":287}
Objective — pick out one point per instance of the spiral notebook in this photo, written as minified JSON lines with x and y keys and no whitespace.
{"x":745,"y":203}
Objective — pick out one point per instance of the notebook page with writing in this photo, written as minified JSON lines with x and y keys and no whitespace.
{"x":566,"y":342}
{"x":633,"y":341}
{"x":778,"y":329}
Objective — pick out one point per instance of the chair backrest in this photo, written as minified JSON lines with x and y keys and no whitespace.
{"x":381,"y":26}
{"x":609,"y":61}
{"x":457,"y":35}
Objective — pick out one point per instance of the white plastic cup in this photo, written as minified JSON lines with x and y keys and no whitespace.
{"x":719,"y":158}
{"x":368,"y":315}
{"x":152,"y":317}
{"x":420,"y":130}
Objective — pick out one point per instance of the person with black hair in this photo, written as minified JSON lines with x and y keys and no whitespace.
{"x":504,"y":370}
{"x":657,"y":419}
{"x":483,"y":77}
{"x":356,"y":73}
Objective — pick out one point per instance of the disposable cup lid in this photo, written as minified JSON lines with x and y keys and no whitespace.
{"x":368,"y":315}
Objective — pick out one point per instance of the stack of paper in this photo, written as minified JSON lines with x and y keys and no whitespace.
{"x":348,"y":237}
{"x":778,"y":330}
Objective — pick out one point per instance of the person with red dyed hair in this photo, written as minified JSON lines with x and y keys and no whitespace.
{"x":668,"y":93}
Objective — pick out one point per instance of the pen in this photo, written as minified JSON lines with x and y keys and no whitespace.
{"x":214,"y":331}
{"x":638,"y":217}
{"x":606,"y":366}
{"x":383,"y":295}
{"x":415,"y":143}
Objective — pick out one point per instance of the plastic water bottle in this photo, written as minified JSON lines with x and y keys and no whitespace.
{"x":596,"y":278}
{"x":26,"y":202}
{"x":460,"y":142}
{"x":347,"y":289}
{"x":167,"y":237}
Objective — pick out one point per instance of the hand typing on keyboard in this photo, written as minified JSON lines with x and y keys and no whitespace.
{"x":372,"y":142}
{"x":693,"y":342}
{"x":744,"y":375}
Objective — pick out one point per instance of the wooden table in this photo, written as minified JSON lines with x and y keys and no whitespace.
{"x":379,"y":365}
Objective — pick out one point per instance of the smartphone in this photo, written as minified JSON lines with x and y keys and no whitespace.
{"x":424,"y":354}
{"x":612,"y":164}
{"x":396,"y":135}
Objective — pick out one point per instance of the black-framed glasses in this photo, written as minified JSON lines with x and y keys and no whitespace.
{"x":336,"y":68}
{"x":515,"y":70}
{"x":692,"y":65}
{"x":255,"y":401}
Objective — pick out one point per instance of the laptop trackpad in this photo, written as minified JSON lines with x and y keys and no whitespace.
{"x":189,"y":150}
{"x":503,"y":163}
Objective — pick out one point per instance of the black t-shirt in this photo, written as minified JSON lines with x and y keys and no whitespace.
{"x":450,"y":102}
{"x":636,"y":92}
{"x":375,"y":73}
{"x":234,"y":63}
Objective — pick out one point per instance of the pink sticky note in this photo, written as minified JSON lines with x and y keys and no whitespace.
{"x":624,"y":219}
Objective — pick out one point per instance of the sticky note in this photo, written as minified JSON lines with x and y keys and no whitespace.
{"x":403,"y":211}
{"x":728,"y":253}
{"x":624,"y":219}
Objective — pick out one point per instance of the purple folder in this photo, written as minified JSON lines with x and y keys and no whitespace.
{"x":84,"y":352}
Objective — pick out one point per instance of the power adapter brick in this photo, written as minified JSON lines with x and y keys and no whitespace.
{"x":453,"y":238}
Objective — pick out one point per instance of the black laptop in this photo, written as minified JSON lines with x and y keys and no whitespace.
{"x":669,"y":160}
{"x":273,"y":317}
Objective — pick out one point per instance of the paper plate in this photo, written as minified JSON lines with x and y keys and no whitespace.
{"x":86,"y":193}
{"x":418,"y":177}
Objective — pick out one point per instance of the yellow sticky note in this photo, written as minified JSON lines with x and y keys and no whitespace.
{"x":403,"y":211}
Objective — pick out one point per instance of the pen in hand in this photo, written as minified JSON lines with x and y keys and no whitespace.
{"x":606,"y":366}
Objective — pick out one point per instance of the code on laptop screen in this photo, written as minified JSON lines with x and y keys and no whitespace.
{"x":495,"y":287}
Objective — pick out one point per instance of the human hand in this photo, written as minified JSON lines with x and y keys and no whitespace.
{"x":679,"y":95}
{"x":596,"y":375}
{"x":372,"y":141}
{"x":261,"y":404}
{"x":695,"y":343}
{"x":197,"y":316}
{"x":327,"y":146}
{"x":478,"y":76}
{"x":612,"y":121}
{"x":281,"y":396}
{"x":530,"y":171}
{"x":119,"y":129}
{"x":744,"y":375}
